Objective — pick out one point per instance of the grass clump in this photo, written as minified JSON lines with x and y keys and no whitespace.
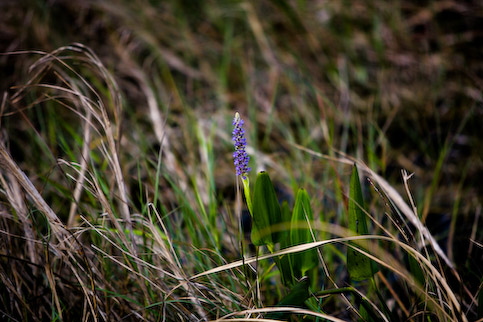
{"x":118,"y":194}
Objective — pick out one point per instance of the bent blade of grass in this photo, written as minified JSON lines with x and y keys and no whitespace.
{"x":291,"y":310}
{"x":53,"y":287}
{"x":112,"y":135}
{"x":111,"y":129}
{"x":83,"y":168}
{"x":15,"y":197}
{"x":10,"y":166}
{"x":393,"y":266}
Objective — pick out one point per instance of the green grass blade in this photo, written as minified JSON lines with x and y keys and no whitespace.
{"x":358,"y":265}
{"x":302,"y":214}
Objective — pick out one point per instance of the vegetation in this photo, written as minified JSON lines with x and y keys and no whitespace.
{"x":119,"y":199}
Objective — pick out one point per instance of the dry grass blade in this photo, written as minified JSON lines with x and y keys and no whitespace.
{"x":15,"y":197}
{"x":96,"y":107}
{"x":82,"y":173}
{"x":247,"y":320}
{"x":53,"y":287}
{"x":9,"y":166}
{"x":277,"y":309}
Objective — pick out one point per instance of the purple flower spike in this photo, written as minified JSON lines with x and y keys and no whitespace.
{"x":240,"y":156}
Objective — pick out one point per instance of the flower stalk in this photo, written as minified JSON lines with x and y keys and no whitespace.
{"x":241,"y":158}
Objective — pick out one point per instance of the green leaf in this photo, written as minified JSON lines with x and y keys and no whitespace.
{"x":416,"y":271}
{"x":266,"y":212}
{"x":284,"y":261}
{"x":295,"y":298}
{"x":300,"y":234}
{"x":367,"y":312}
{"x":248,"y":198}
{"x":359,"y":266}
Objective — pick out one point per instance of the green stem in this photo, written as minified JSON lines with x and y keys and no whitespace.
{"x":335,"y":291}
{"x":271,"y":248}
{"x":381,"y":298}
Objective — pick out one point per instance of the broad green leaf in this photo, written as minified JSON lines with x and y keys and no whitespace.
{"x":359,"y":266}
{"x":300,"y":234}
{"x":295,"y":298}
{"x":266,"y":212}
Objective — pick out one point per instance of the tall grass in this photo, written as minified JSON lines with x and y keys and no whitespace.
{"x":119,"y":199}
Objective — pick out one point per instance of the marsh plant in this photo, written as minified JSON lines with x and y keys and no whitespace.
{"x":291,"y":235}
